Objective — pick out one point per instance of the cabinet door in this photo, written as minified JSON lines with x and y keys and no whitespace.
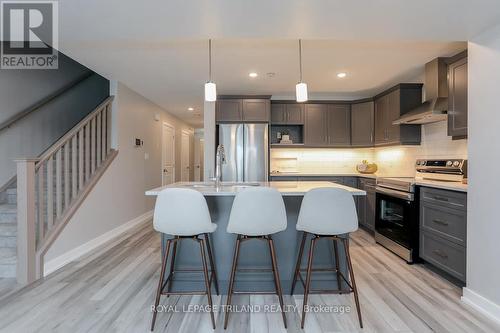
{"x":370,"y":207}
{"x":315,"y":127}
{"x":362,"y":124}
{"x":339,"y":125}
{"x":256,"y":110}
{"x":229,"y":110}
{"x":393,"y":113}
{"x":457,"y":98}
{"x":295,"y":114}
{"x":278,"y":114}
{"x":380,"y":119}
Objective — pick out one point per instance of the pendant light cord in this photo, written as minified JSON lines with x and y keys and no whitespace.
{"x":210,"y":60}
{"x":300,"y":59}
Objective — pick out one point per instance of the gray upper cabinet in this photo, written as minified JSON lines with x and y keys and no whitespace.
{"x":389,"y":106}
{"x":228,"y":110}
{"x":362,"y":124}
{"x":339,"y":125}
{"x":315,"y":125}
{"x":256,"y":110}
{"x":328,"y":125}
{"x":246,"y":110}
{"x":287,"y":114}
{"x":457,"y":98}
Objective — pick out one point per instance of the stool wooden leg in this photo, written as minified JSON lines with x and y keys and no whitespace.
{"x":207,"y":280}
{"x":212,"y":264}
{"x":353,"y":282}
{"x":299,"y":261}
{"x":172,"y":263}
{"x":160,"y":283}
{"x":277,"y":281}
{"x":337,"y":265}
{"x":308,"y":280}
{"x":231,"y":279}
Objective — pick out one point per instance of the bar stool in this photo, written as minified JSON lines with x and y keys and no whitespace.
{"x":257,"y":213}
{"x":184,"y":214}
{"x":327,"y":213}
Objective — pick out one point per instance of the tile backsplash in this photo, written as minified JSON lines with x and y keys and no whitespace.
{"x":392,"y":161}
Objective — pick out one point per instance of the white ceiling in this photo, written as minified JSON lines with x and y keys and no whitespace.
{"x":159,"y":48}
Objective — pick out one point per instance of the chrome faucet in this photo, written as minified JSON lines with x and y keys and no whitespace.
{"x":220,"y":158}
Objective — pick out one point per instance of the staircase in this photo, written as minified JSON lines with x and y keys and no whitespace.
{"x":8,"y":232}
{"x":49,"y":189}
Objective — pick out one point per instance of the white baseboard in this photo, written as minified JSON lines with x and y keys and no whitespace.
{"x":481,"y":304}
{"x":78,"y":252}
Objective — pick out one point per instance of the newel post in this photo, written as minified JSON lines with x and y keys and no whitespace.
{"x":26,"y":247}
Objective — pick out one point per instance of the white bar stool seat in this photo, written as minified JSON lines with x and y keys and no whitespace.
{"x":257,"y":213}
{"x":183,"y":213}
{"x":327,"y":213}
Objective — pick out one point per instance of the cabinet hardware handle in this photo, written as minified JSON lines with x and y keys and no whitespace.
{"x":440,"y":253}
{"x":441,"y":198}
{"x":440,"y":222}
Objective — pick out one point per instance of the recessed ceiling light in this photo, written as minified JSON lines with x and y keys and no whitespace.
{"x":341,"y":75}
{"x":253,"y":75}
{"x":190,"y":109}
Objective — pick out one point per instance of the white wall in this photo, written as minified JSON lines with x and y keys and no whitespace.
{"x":119,"y":195}
{"x":483,"y":225}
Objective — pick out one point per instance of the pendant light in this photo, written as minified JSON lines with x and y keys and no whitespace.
{"x":301,"y":87}
{"x":210,"y":87}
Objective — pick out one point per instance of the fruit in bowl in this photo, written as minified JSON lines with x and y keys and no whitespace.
{"x":366,"y":167}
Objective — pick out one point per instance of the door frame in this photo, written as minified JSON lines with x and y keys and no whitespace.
{"x":188,"y":133}
{"x":163,"y":151}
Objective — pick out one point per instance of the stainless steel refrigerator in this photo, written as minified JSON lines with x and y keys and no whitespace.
{"x":246,"y":149}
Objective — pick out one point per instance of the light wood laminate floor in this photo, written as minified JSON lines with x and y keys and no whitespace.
{"x":112,"y":290}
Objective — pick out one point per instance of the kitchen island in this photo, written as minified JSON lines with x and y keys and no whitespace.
{"x":254,"y":254}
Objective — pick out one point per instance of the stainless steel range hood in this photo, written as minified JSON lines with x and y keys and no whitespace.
{"x":435,"y":108}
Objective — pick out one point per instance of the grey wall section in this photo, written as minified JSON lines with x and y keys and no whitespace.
{"x":20,"y":89}
{"x":483,"y":227}
{"x":32,"y":135}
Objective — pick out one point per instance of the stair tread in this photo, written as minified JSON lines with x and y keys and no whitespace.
{"x":8,"y":230}
{"x":8,"y":255}
{"x":8,"y":208}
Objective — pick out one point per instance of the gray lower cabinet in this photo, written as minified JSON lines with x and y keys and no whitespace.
{"x":443,"y":229}
{"x":366,"y":204}
{"x":362,"y":124}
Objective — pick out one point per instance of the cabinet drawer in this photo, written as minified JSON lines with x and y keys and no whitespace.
{"x":367,"y":181}
{"x":448,"y":256}
{"x":444,"y":198}
{"x":350,"y":181}
{"x":446,"y":222}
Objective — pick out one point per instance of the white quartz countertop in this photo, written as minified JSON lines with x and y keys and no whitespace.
{"x":287,"y":188}
{"x":452,"y":186}
{"x":301,"y":174}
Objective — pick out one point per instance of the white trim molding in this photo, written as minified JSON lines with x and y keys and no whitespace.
{"x":481,"y":304}
{"x":78,"y":252}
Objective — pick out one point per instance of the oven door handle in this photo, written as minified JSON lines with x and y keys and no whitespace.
{"x":395,"y":193}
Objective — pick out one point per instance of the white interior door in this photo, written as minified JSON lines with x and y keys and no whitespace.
{"x":198,"y":159}
{"x":168,"y":154}
{"x":185,"y":169}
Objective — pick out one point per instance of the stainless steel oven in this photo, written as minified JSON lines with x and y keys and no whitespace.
{"x":396,"y":222}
